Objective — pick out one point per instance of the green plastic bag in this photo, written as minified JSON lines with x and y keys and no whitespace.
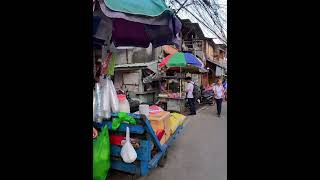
{"x":101,"y":155}
{"x":122,"y":116}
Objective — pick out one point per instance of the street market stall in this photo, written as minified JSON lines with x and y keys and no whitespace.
{"x":127,"y":23}
{"x":151,"y":149}
{"x":181,"y":63}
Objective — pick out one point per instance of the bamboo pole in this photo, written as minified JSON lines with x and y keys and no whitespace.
{"x":180,"y":82}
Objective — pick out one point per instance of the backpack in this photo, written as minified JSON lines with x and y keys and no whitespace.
{"x":196,"y":91}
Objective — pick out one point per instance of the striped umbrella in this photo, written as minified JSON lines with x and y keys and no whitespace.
{"x":182,"y":60}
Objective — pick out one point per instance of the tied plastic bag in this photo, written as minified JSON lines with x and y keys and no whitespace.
{"x":128,"y":153}
{"x":122,"y":117}
{"x":101,"y":155}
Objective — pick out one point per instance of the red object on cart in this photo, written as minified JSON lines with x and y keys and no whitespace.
{"x":160,"y":134}
{"x":116,"y":139}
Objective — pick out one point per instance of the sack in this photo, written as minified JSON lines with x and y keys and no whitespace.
{"x":128,"y":153}
{"x":101,"y":155}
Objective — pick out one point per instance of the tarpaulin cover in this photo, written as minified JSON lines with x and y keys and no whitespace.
{"x":95,"y":22}
{"x":139,"y":7}
{"x":163,"y":19}
{"x":127,"y":33}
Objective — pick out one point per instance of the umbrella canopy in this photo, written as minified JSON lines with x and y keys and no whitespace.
{"x":141,"y":7}
{"x":130,"y":28}
{"x":180,"y":59}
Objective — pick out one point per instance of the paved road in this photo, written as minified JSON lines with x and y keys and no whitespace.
{"x":199,"y":153}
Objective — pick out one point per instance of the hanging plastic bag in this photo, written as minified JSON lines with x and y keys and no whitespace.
{"x":94,"y":105}
{"x":106,"y":107}
{"x":128,"y":153}
{"x":101,"y":155}
{"x":99,"y":110}
{"x":113,"y":97}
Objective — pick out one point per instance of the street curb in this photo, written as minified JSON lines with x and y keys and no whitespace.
{"x":188,"y":119}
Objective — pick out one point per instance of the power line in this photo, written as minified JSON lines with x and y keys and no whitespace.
{"x":203,"y":6}
{"x":222,"y":39}
{"x":215,"y":13}
{"x":204,"y":19}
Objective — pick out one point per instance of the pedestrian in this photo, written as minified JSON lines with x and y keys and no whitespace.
{"x":218,"y":95}
{"x":190,"y":98}
{"x":95,"y":133}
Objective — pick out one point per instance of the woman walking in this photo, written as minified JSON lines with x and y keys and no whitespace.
{"x":218,"y":90}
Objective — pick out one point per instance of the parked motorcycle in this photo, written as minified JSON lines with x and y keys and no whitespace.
{"x":207,"y":97}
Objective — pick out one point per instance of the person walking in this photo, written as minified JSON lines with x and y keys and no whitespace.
{"x":191,"y":100}
{"x":218,"y":90}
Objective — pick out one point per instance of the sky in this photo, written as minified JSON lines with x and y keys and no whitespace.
{"x":185,"y":15}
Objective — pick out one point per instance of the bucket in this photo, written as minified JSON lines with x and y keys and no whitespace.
{"x":144,"y":109}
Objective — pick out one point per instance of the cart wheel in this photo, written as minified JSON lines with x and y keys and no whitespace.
{"x":163,"y":160}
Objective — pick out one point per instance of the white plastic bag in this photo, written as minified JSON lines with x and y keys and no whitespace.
{"x":128,"y":153}
{"x":113,"y":97}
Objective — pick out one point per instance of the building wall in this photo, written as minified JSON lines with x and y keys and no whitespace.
{"x":136,"y":55}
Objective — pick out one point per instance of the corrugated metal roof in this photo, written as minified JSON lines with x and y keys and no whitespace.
{"x":135,"y":65}
{"x":217,"y":41}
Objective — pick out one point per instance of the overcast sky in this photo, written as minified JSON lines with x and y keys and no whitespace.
{"x":223,"y":12}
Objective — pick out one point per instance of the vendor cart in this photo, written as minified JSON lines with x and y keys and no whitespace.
{"x":174,"y":104}
{"x":150,"y":152}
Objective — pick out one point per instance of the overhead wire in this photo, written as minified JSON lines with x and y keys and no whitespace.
{"x":203,"y":22}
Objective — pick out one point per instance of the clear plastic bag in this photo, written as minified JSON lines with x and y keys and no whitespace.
{"x":94,"y":105}
{"x":98,"y":94}
{"x":113,"y":97}
{"x":106,"y":99}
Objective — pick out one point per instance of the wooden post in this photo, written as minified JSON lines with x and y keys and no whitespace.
{"x":180,"y":82}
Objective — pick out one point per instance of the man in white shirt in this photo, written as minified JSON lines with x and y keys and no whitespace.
{"x":191,"y":101}
{"x":218,"y":95}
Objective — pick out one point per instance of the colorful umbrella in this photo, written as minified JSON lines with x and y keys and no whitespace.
{"x":180,"y":59}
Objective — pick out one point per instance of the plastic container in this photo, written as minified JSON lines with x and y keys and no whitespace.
{"x":144,"y":109}
{"x":159,"y":122}
{"x":124,"y":105}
